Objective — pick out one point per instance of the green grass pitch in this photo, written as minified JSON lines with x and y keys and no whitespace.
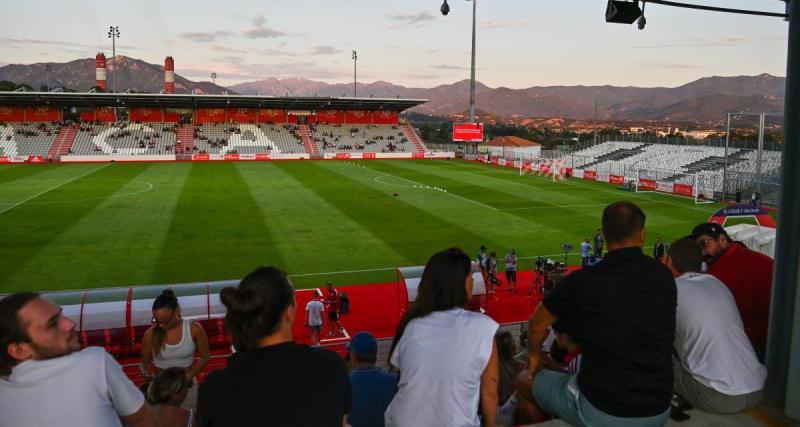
{"x":98,"y":225}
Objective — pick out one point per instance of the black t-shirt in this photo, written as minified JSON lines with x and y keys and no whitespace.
{"x":625,"y":309}
{"x":278,"y":385}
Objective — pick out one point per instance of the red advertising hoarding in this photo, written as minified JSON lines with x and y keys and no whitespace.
{"x":105,"y":114}
{"x":647,"y":184}
{"x":385,"y":117}
{"x":210,"y":115}
{"x":330,"y":116}
{"x":201,"y":157}
{"x":242,"y":115}
{"x":590,"y":175}
{"x":12,"y":114}
{"x":683,"y":189}
{"x":43,"y":113}
{"x":262,"y":156}
{"x":272,"y":116}
{"x":616,"y":179}
{"x":232,"y":156}
{"x":417,"y":155}
{"x":358,"y":117}
{"x":368,"y":156}
{"x":468,"y":132}
{"x":146,"y":115}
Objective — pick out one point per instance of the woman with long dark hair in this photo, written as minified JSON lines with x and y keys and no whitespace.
{"x":166,"y":393}
{"x":273,"y":381}
{"x":172,"y":342}
{"x":447,"y":356}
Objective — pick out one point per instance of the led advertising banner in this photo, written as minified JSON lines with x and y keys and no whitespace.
{"x":468,"y":132}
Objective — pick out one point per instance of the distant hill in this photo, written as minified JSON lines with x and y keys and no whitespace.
{"x":703,"y":101}
{"x":80,"y":75}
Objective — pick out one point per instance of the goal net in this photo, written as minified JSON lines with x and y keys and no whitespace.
{"x":539,"y":166}
{"x":697,"y":187}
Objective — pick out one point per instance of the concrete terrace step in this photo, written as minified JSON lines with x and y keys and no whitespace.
{"x":305,"y":136}
{"x":63,"y":142}
{"x":412,"y":136}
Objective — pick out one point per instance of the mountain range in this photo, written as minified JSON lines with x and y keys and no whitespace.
{"x":703,"y":101}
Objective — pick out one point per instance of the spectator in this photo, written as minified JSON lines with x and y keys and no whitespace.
{"x":658,"y":250}
{"x":273,"y":379}
{"x":565,"y":334}
{"x":313,"y":322}
{"x":481,"y":261}
{"x":446,"y":355}
{"x":172,"y":342}
{"x":508,"y":367}
{"x":717,"y":369}
{"x":598,"y":244}
{"x":344,"y":304}
{"x":45,"y":378}
{"x":511,"y":270}
{"x":491,"y":270}
{"x":586,"y":250}
{"x":625,"y":311}
{"x":738,"y":196}
{"x":746,"y":273}
{"x":332,"y":303}
{"x":166,"y":393}
{"x":373,"y":388}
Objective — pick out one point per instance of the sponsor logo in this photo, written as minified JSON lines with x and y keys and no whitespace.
{"x":590,"y":175}
{"x":262,"y":156}
{"x":368,"y":156}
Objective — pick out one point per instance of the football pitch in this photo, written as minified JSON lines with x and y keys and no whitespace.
{"x":76,"y":226}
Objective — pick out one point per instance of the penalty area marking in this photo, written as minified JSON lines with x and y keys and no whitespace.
{"x":379,"y":181}
{"x":571,"y":206}
{"x":53,"y":188}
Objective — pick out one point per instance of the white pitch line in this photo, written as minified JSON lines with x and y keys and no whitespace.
{"x":570,"y":206}
{"x":53,"y":188}
{"x":423,"y":185}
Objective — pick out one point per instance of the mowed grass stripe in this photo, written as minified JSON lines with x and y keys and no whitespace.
{"x":409,"y":230}
{"x":118,"y":242}
{"x":312,"y":234}
{"x":217,"y":231}
{"x":31,"y":180}
{"x":15,"y":172}
{"x":29,"y":228}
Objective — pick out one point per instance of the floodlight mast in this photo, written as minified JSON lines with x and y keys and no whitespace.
{"x":113,"y":34}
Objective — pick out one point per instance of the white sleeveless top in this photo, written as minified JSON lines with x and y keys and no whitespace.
{"x":179,"y":355}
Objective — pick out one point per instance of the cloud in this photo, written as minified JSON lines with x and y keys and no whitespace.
{"x":414,"y":19}
{"x":205,"y":37}
{"x":276,"y":52}
{"x":677,"y":66}
{"x":259,"y":20}
{"x":325,"y":50}
{"x":227,"y":49}
{"x":233,"y":71}
{"x":449,"y":67}
{"x":494,"y":25}
{"x":98,"y":48}
{"x":261,"y":33}
{"x":728,"y":41}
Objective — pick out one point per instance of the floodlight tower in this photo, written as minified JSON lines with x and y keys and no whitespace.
{"x":113,"y":34}
{"x":355,"y":80}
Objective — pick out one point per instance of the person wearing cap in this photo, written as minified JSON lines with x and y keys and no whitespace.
{"x":373,"y":389}
{"x":746,"y":273}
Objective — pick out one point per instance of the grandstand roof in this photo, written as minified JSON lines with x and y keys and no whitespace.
{"x":511,"y":141}
{"x":66,"y":99}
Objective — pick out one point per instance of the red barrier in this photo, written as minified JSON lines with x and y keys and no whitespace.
{"x":146,"y":115}
{"x":262,"y":156}
{"x":342,"y":156}
{"x":272,"y":116}
{"x":616,"y":179}
{"x":35,"y":159}
{"x":647,"y":184}
{"x":242,"y":115}
{"x":385,"y":117}
{"x":368,"y":156}
{"x":590,"y":175}
{"x":210,"y":115}
{"x":330,"y":116}
{"x":417,"y":155}
{"x":12,"y":114}
{"x":201,"y":157}
{"x":5,"y":159}
{"x":43,"y":113}
{"x":683,"y":189}
{"x":234,"y":156}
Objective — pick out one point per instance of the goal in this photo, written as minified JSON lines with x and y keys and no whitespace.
{"x":540,"y":166}
{"x":696,"y":186}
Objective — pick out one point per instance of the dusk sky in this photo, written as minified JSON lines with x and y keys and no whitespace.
{"x":520,"y":43}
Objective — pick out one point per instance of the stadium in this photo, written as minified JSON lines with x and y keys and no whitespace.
{"x":108,"y":199}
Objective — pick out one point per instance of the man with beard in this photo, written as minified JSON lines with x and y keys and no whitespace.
{"x":746,"y":273}
{"x":47,"y":380}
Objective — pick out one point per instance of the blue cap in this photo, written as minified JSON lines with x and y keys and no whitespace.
{"x":363,"y":343}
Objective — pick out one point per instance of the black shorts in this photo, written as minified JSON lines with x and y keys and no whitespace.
{"x":333,"y":315}
{"x":511,"y":275}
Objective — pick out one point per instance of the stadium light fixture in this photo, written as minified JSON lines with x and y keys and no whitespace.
{"x":642,"y":20}
{"x":628,"y":12}
{"x":113,"y":34}
{"x":445,"y":9}
{"x":47,"y":71}
{"x":355,"y":75}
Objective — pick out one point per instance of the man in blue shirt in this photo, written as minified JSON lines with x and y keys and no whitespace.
{"x":586,"y":249}
{"x":373,"y":389}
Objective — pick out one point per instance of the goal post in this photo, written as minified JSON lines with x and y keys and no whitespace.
{"x":540,"y":166}
{"x":698,"y":187}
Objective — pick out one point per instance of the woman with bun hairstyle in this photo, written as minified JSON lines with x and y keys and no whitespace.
{"x":446,"y":355}
{"x":173,"y":342}
{"x":272,"y":380}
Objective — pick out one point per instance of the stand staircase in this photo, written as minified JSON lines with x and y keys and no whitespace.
{"x":309,"y":145}
{"x":184,"y":147}
{"x":63,"y":142}
{"x":412,"y":136}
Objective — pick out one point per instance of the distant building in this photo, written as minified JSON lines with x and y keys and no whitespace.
{"x":512,"y":146}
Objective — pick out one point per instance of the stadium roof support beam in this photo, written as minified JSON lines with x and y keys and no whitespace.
{"x":783,"y":345}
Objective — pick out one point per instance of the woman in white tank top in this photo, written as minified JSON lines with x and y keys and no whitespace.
{"x":173,"y":342}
